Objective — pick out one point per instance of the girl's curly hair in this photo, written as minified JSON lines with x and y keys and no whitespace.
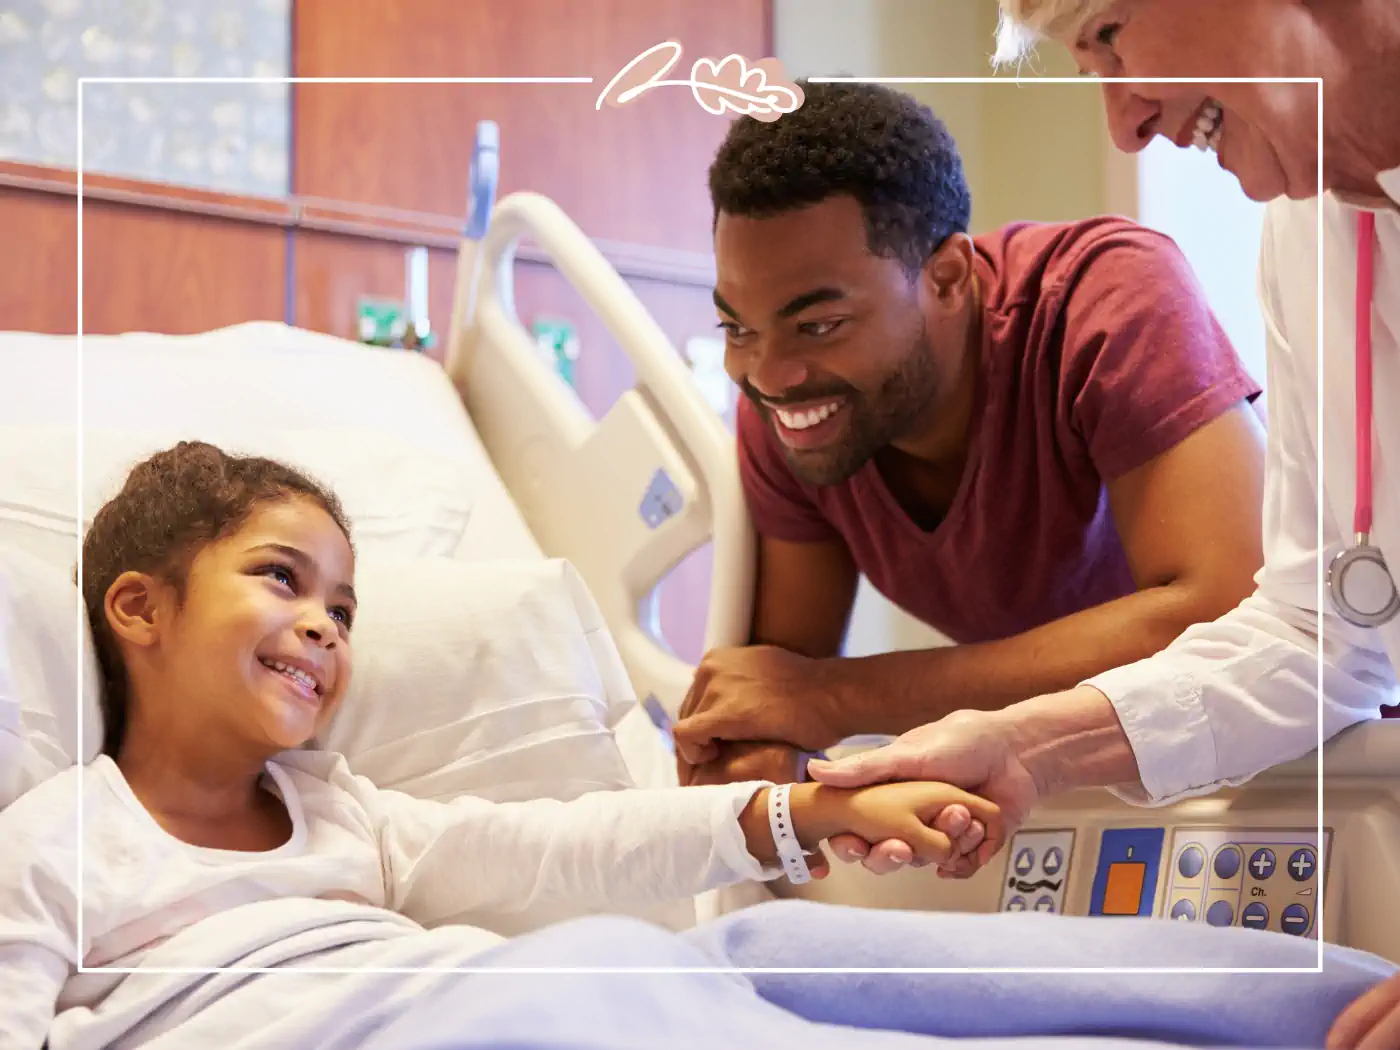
{"x":171,"y":506}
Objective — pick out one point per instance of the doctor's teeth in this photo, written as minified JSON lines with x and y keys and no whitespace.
{"x":810,"y":418}
{"x":1206,"y":134}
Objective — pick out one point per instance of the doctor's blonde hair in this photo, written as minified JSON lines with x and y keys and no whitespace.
{"x":1024,"y":23}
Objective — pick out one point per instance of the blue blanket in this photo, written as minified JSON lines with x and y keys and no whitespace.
{"x":777,"y":1011}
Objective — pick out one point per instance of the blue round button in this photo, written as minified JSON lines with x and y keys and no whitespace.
{"x":1016,"y":904}
{"x":1220,"y":914}
{"x":1261,"y":864}
{"x":1227,"y":862}
{"x":1052,"y":861}
{"x":1045,"y":903}
{"x":1184,"y":910}
{"x":1302,"y":865}
{"x":1191,"y":861}
{"x":1025,"y":861}
{"x":1256,"y":916}
{"x":1295,"y":920}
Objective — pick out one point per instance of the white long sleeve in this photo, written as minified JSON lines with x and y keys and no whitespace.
{"x":608,"y":849}
{"x":378,"y":859}
{"x":1231,"y":698}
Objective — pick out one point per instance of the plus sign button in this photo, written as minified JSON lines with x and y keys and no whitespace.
{"x":1261,"y":865}
{"x":1302,"y":865}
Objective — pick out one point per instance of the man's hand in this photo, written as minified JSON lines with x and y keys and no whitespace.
{"x":969,"y":749}
{"x":758,"y":692}
{"x":1371,"y":1022}
{"x":748,"y":760}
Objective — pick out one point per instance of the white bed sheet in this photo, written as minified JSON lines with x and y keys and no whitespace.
{"x":255,"y":379}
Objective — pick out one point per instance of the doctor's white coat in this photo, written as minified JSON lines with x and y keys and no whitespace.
{"x":1235,"y":696}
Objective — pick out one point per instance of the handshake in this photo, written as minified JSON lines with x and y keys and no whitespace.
{"x":947,"y":794}
{"x":915,"y":823}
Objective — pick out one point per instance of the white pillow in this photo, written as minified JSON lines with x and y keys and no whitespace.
{"x":41,"y":629}
{"x":497,"y":679}
{"x":398,"y":497}
{"x":494,"y":679}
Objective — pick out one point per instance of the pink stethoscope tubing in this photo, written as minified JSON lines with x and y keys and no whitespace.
{"x":1362,"y":552}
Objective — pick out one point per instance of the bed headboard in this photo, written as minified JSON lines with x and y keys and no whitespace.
{"x":626,"y":497}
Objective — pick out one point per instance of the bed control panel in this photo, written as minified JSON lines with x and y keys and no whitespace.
{"x":1128,"y":869}
{"x":1037,"y":871}
{"x":1251,"y":856}
{"x":1259,"y":878}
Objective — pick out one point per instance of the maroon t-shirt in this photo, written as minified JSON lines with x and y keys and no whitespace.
{"x":1099,"y":354}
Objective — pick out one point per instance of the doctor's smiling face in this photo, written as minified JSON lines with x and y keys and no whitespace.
{"x":1264,"y":134}
{"x":844,"y":276}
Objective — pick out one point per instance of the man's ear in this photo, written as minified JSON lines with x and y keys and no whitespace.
{"x":948,"y":273}
{"x":132,"y":607}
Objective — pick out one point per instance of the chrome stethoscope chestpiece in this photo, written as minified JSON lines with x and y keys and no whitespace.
{"x":1363,"y":592}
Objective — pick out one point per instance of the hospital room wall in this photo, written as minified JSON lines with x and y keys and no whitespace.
{"x":630,"y":176}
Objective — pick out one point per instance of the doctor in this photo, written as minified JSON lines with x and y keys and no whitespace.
{"x":1233,"y":697}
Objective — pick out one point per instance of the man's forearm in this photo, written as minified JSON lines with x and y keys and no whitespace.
{"x":894,"y":692}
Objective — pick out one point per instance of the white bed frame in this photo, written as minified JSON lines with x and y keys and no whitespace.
{"x":624,"y":498}
{"x":566,"y":470}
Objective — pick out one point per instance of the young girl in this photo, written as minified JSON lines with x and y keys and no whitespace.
{"x":220,"y":593}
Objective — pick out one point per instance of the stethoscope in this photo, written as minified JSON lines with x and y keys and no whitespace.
{"x":1363,"y":591}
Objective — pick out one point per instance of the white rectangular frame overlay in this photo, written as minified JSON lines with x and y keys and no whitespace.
{"x":80,"y":625}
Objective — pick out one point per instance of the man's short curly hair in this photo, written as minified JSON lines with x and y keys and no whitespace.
{"x":171,"y":506}
{"x":867,"y":141}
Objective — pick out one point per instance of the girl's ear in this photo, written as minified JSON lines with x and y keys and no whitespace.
{"x":131,"y":606}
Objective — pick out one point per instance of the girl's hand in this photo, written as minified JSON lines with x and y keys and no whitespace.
{"x":910,"y":812}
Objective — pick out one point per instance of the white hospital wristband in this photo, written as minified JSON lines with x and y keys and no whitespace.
{"x":785,"y":837}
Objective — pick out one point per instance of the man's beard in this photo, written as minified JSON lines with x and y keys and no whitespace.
{"x":874,"y":421}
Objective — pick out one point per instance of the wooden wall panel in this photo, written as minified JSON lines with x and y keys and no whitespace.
{"x":334,"y":270}
{"x":633,"y":174}
{"x":38,"y":262}
{"x":144,"y":269}
{"x":163,"y":271}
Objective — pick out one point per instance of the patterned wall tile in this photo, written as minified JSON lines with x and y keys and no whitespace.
{"x":229,"y":137}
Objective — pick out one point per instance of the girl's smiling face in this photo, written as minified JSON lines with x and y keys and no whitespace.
{"x":258,"y":646}
{"x":1266,"y":135}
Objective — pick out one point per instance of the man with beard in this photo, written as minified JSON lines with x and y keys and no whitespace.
{"x":1038,"y":441}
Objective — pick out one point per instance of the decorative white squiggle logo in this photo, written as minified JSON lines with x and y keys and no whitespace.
{"x":761,"y":90}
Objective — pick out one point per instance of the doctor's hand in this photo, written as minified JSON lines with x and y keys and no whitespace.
{"x":1371,"y":1022}
{"x":758,"y":692}
{"x":970,"y":749}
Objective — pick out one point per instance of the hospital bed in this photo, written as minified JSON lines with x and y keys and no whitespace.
{"x":525,"y":473}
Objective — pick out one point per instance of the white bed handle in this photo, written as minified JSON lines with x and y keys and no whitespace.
{"x":555,"y":458}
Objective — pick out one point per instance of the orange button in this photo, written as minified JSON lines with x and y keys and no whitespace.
{"x":1123,"y":893}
